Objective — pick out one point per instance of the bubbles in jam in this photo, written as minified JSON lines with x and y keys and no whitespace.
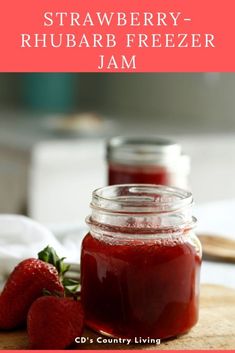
{"x":140,"y":288}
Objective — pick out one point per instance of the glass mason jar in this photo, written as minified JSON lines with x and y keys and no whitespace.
{"x":147,"y":161}
{"x":140,"y":262}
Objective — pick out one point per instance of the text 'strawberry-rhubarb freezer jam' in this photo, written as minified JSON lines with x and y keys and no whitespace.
{"x":140,"y":262}
{"x":147,"y":161}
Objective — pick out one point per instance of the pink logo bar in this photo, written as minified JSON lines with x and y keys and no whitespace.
{"x":116,"y":36}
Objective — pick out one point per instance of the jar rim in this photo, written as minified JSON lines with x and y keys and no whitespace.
{"x":150,"y":141}
{"x":125,"y":233}
{"x":140,"y":199}
{"x":143,"y":150}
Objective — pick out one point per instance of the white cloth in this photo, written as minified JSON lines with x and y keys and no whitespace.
{"x":21,"y":238}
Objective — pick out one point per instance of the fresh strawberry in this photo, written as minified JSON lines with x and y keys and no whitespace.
{"x":54,"y":322}
{"x":27,"y":282}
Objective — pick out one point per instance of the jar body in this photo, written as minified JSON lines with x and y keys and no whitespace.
{"x":141,"y":288}
{"x":140,"y":262}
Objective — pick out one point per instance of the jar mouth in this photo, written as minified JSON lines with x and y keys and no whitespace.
{"x":140,"y":199}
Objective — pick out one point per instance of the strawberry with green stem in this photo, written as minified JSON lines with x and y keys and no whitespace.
{"x":54,"y":321}
{"x":28,"y":281}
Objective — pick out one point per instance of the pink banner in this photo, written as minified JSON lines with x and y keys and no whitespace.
{"x":117,"y":36}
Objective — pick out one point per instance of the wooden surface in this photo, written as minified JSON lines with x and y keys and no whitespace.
{"x":215,"y":330}
{"x":217,"y":248}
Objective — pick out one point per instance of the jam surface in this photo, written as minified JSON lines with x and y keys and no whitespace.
{"x":140,"y":288}
{"x":119,"y":174}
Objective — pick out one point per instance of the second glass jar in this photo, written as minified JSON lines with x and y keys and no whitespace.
{"x":147,"y":161}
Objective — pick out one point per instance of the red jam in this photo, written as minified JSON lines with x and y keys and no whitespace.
{"x":119,"y":174}
{"x":140,"y":288}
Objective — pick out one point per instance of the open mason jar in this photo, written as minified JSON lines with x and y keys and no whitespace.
{"x":140,"y":262}
{"x":151,"y":160}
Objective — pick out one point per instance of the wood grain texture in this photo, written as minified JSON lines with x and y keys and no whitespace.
{"x":215,"y":330}
{"x":217,"y":248}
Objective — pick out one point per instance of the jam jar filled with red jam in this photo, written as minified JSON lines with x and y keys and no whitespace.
{"x":140,"y":262}
{"x":147,"y":161}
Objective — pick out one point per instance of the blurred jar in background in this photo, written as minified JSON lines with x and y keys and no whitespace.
{"x":147,"y":161}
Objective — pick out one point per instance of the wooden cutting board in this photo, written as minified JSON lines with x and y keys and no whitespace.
{"x":215,"y":330}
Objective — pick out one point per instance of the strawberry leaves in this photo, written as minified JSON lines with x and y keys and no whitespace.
{"x":71,"y":287}
{"x":50,"y":256}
